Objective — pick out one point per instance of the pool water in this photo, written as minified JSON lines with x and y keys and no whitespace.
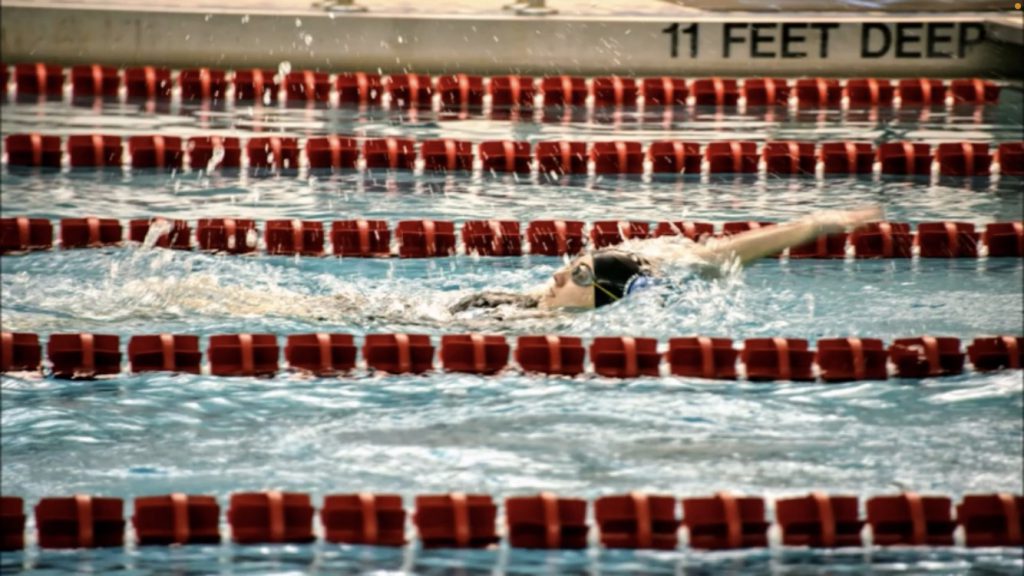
{"x":511,"y":434}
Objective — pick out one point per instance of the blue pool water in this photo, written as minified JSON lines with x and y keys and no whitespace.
{"x":511,"y":434}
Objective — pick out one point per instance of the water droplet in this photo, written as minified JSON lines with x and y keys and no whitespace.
{"x":207,"y":17}
{"x":401,"y":40}
{"x":298,"y":23}
{"x":245,"y":19}
{"x":308,"y":39}
{"x":284,"y":68}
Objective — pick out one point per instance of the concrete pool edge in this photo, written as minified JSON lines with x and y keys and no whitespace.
{"x":690,"y":43}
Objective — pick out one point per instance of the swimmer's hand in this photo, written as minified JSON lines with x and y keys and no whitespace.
{"x":493,"y":300}
{"x":834,"y":221}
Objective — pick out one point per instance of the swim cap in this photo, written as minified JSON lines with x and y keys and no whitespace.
{"x":616,"y":274}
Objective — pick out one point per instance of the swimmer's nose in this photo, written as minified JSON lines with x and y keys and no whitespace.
{"x":559,"y":278}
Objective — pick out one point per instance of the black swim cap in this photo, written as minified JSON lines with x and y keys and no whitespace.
{"x":614,"y":272}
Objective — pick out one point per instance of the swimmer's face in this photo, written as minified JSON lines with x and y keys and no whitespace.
{"x":569,"y":288}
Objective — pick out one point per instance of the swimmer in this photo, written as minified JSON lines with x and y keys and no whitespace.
{"x":606,"y":276}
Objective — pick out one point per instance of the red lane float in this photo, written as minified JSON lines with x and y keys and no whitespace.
{"x":333,"y":152}
{"x":271,"y":517}
{"x":425,"y":238}
{"x":359,"y":88}
{"x":829,"y":246}
{"x":148,"y":83}
{"x":290,"y":237}
{"x":625,"y":357}
{"x":695,"y":231}
{"x":911,"y":519}
{"x":202,"y":84}
{"x":80,"y":521}
{"x":512,"y":91}
{"x":173,"y":234}
{"x":95,"y":81}
{"x":869,"y":92}
{"x":664,"y":91}
{"x":905,"y":158}
{"x":732,"y":157}
{"x":992,"y":519}
{"x":883,"y":240}
{"x":273,"y":152}
{"x":847,"y":157}
{"x":778,"y":359}
{"x":702,"y":357}
{"x":505,"y":156}
{"x":846,"y":359}
{"x":725,"y":521}
{"x":546,"y":521}
{"x":926,"y":356}
{"x":447,"y":155}
{"x":20,"y":352}
{"x":614,"y":91}
{"x":361,"y":238}
{"x":364,"y":518}
{"x":21,"y":234}
{"x":818,"y":93}
{"x":176,"y":519}
{"x":164,"y":352}
{"x":715,"y":92}
{"x":321,"y":354}
{"x":555,"y":355}
{"x":996,"y":353}
{"x":611,"y":232}
{"x":160,"y":152}
{"x":230,"y":235}
{"x":675,"y":157}
{"x":410,"y":91}
{"x":947,"y":240}
{"x":456,"y":520}
{"x":1011,"y":158}
{"x":243,"y":354}
{"x":94,"y":151}
{"x":617,"y":157}
{"x":766,"y":92}
{"x":256,"y":86}
{"x":226,"y":151}
{"x":399,"y":353}
{"x":555,"y":237}
{"x":89,"y":232}
{"x":307,"y":86}
{"x":459,"y":91}
{"x":12,"y":523}
{"x":492,"y":237}
{"x":559,"y":158}
{"x":33,"y":150}
{"x":637,"y":521}
{"x":39,"y":80}
{"x":819,"y":520}
{"x":563,"y":91}
{"x":789,"y":158}
{"x":474,"y":353}
{"x":963,"y":159}
{"x":973,"y":91}
{"x":390,"y":153}
{"x":916,"y":92}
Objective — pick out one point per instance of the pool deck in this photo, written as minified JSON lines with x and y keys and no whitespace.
{"x":637,"y":37}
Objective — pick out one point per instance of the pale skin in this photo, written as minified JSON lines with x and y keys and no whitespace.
{"x":745,"y":247}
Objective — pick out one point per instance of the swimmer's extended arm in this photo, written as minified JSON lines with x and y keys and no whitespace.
{"x":753,"y":244}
